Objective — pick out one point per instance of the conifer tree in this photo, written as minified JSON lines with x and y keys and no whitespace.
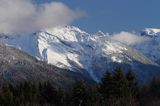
{"x":132,"y":83}
{"x":119,"y":83}
{"x":106,"y":85}
{"x":48,"y":94}
{"x":95,"y":98}
{"x":79,"y":95}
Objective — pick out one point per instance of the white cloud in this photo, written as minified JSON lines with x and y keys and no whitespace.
{"x":24,"y":16}
{"x":128,"y":38}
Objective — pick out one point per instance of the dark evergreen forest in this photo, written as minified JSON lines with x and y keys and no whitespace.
{"x":115,"y":89}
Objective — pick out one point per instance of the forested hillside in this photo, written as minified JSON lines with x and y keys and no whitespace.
{"x":115,"y":89}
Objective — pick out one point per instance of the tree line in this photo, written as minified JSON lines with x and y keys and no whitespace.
{"x":115,"y":89}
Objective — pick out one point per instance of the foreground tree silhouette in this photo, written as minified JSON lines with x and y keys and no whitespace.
{"x":115,"y":89}
{"x":118,"y":89}
{"x":119,"y":83}
{"x":48,"y":94}
{"x":79,"y":94}
{"x":132,"y":83}
{"x":150,"y":93}
{"x":106,"y":85}
{"x":94,"y":97}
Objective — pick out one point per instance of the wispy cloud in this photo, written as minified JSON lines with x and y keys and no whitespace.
{"x":129,"y":38}
{"x":25,"y":16}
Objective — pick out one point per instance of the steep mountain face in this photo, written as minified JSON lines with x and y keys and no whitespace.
{"x":151,"y":47}
{"x":17,"y":67}
{"x":91,"y":55}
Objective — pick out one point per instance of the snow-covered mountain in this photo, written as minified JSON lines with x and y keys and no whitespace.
{"x":151,"y":47}
{"x":17,"y":67}
{"x":71,"y":48}
{"x":151,"y":32}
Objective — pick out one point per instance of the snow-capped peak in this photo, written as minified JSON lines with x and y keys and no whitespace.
{"x":67,"y":33}
{"x":74,"y":49}
{"x":151,"y":47}
{"x":101,"y":34}
{"x":152,"y":32}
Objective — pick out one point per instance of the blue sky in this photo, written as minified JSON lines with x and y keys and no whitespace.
{"x":115,"y":15}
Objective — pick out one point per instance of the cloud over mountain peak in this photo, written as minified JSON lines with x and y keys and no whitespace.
{"x":25,"y":16}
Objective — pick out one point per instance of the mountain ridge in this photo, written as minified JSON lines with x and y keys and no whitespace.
{"x":69,"y":47}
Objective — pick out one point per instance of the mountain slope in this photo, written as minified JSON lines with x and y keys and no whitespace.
{"x":150,"y":47}
{"x":17,"y":67}
{"x":73,"y":49}
{"x":111,"y":54}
